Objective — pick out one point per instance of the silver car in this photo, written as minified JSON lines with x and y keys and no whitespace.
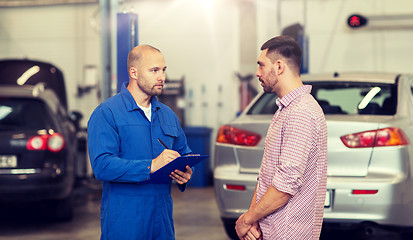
{"x":370,"y":154}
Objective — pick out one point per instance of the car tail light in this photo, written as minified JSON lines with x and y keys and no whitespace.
{"x":235,"y":187}
{"x":54,"y":142}
{"x":376,"y":138}
{"x":231,"y":135}
{"x":364,"y":192}
{"x":37,"y":143}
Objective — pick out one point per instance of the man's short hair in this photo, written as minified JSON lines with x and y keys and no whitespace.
{"x":286,"y":47}
{"x":135,"y":56}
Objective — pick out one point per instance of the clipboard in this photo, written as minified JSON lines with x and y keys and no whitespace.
{"x":162,"y":175}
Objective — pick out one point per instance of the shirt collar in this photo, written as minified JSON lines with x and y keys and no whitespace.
{"x":291,"y":96}
{"x":130,"y":102}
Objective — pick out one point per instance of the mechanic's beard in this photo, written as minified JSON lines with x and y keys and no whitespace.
{"x":156,"y":92}
{"x":151,"y":91}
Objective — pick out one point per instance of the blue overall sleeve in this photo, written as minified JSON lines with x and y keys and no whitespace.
{"x":103,"y":143}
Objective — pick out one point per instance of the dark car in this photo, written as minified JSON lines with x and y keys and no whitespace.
{"x":38,"y":142}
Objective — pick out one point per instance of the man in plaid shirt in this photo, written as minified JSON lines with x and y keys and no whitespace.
{"x":288,"y":202}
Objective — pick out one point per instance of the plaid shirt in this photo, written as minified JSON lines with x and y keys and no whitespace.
{"x":295,"y":162}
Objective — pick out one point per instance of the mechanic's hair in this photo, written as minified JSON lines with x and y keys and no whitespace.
{"x":135,"y":54}
{"x":286,"y":47}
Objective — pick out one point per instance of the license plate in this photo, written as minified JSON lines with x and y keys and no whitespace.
{"x":8,"y":161}
{"x":327,"y":202}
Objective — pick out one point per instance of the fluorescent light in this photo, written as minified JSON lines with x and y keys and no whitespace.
{"x":27,"y":74}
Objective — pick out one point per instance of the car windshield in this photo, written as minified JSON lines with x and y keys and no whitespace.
{"x":23,"y":113}
{"x":351,"y":98}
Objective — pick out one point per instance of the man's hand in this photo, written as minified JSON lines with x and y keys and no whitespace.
{"x":241,"y":227}
{"x":254,"y":233}
{"x":247,"y":231}
{"x":181,"y":177}
{"x":164,"y":158}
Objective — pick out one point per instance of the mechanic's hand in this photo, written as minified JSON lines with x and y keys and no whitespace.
{"x":181,"y":177}
{"x":164,"y":158}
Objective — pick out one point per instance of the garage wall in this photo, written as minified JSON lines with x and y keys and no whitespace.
{"x":335,"y":47}
{"x":62,"y":35}
{"x":207,"y":42}
{"x":200,"y":43}
{"x":199,"y":40}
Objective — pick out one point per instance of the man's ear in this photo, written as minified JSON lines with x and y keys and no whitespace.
{"x":279,"y":67}
{"x":133,"y":72}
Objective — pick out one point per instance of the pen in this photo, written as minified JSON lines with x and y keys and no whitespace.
{"x":162,"y":143}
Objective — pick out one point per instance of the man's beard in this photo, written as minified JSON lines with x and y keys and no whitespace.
{"x":270,"y":84}
{"x":151,"y":91}
{"x":155,"y":92}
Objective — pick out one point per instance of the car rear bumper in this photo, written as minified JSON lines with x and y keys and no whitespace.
{"x":41,"y":185}
{"x":233,"y":203}
{"x":391,"y":205}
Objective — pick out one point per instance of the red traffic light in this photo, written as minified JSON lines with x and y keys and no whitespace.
{"x":356,"y":21}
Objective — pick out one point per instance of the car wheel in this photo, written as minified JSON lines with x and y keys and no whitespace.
{"x":63,"y":209}
{"x":230,"y":230}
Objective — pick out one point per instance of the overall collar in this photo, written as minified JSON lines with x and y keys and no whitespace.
{"x":130,"y":102}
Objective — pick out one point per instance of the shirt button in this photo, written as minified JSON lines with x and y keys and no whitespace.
{"x":149,"y":167}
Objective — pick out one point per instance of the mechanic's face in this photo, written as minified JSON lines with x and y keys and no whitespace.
{"x":151,"y":73}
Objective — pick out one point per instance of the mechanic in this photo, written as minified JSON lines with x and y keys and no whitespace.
{"x":124,"y":149}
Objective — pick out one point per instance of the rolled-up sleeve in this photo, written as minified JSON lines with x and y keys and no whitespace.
{"x":296,"y":146}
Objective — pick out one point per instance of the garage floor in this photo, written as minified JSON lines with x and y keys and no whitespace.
{"x":195,"y":214}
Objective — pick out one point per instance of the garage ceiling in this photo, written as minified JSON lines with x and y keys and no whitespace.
{"x":25,"y":3}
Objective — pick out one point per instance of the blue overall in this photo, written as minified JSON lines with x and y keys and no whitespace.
{"x":122,"y":143}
